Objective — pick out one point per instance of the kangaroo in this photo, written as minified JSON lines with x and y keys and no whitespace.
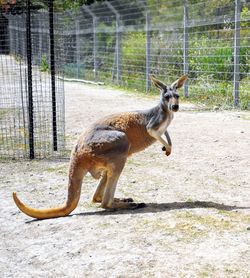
{"x":102,"y":150}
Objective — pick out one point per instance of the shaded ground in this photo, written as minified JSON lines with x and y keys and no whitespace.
{"x":196,"y":224}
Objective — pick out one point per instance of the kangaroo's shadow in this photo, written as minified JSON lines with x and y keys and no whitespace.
{"x":157,"y":207}
{"x":160,"y":207}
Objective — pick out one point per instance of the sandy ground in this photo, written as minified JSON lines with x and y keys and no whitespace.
{"x":197,"y":219}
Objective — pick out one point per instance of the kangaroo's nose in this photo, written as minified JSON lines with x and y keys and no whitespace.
{"x":175,"y":107}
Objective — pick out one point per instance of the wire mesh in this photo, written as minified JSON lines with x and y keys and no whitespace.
{"x":118,"y":42}
{"x":27,"y":119}
{"x":123,"y":41}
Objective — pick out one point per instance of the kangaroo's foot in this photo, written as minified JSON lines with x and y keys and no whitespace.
{"x":125,"y":200}
{"x":124,"y":206}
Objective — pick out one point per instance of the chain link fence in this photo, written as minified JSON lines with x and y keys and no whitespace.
{"x":122,"y":42}
{"x":32,"y":95}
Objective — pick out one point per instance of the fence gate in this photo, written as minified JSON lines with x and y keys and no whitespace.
{"x":31,"y":90}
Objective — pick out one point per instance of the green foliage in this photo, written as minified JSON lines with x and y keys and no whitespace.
{"x":44,"y":67}
{"x":210,"y":54}
{"x":207,"y":58}
{"x":67,"y":4}
{"x":133,"y":50}
{"x":245,"y":18}
{"x":133,"y":58}
{"x":107,"y":39}
{"x":244,"y":93}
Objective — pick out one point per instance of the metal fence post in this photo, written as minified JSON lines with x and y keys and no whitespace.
{"x":148,"y":44}
{"x":78,"y":48}
{"x":185,"y":45}
{"x":30,"y":88}
{"x":52,"y":72}
{"x":40,"y":40}
{"x":17,"y":40}
{"x":236,"y":53}
{"x":118,"y":49}
{"x":118,"y":42}
{"x":95,"y":46}
{"x":95,"y":41}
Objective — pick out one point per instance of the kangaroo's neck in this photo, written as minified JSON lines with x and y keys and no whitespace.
{"x":163,"y":107}
{"x":159,"y":109}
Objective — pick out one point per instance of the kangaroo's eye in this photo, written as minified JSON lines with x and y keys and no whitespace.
{"x":167,"y":97}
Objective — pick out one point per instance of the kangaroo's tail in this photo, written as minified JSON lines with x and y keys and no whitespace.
{"x":76,"y":174}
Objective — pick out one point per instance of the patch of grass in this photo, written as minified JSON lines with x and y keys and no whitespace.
{"x":245,"y":116}
{"x":4,"y":112}
{"x":182,"y":230}
{"x":135,"y":162}
{"x":205,"y":91}
{"x":208,"y":271}
{"x":190,"y":200}
{"x":236,"y":216}
{"x":206,"y":220}
{"x":61,"y":169}
{"x":105,"y":225}
{"x":188,"y":225}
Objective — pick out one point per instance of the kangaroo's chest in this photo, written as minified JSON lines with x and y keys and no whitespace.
{"x":164,"y":124}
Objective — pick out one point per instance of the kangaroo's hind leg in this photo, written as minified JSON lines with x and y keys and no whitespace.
{"x":108,"y":201}
{"x":113,"y":174}
{"x":110,"y":148}
{"x":97,"y":198}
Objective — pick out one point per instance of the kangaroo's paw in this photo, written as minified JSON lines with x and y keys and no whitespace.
{"x":125,"y":200}
{"x":97,"y":200}
{"x":167,"y":151}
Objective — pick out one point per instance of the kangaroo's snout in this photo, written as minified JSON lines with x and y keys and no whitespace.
{"x":175,"y":107}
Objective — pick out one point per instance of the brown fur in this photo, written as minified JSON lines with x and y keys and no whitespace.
{"x":102,"y":150}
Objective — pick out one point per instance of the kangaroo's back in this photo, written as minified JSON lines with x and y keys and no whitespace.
{"x":133,"y":124}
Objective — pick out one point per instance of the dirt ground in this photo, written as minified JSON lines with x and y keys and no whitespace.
{"x":197,"y":219}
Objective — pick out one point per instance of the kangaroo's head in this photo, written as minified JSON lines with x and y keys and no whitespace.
{"x":169,"y":95}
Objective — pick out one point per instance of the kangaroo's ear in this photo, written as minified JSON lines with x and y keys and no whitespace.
{"x":158,"y":84}
{"x":179,"y":82}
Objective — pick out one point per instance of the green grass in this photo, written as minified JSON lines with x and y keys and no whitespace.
{"x":210,"y":68}
{"x":204,"y":91}
{"x":189,"y":225}
{"x":4,"y":112}
{"x":44,"y":67}
{"x":59,"y":169}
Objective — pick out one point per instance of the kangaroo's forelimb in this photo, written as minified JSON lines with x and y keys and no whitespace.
{"x":157,"y":126}
{"x":168,"y":138}
{"x":157,"y":136}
